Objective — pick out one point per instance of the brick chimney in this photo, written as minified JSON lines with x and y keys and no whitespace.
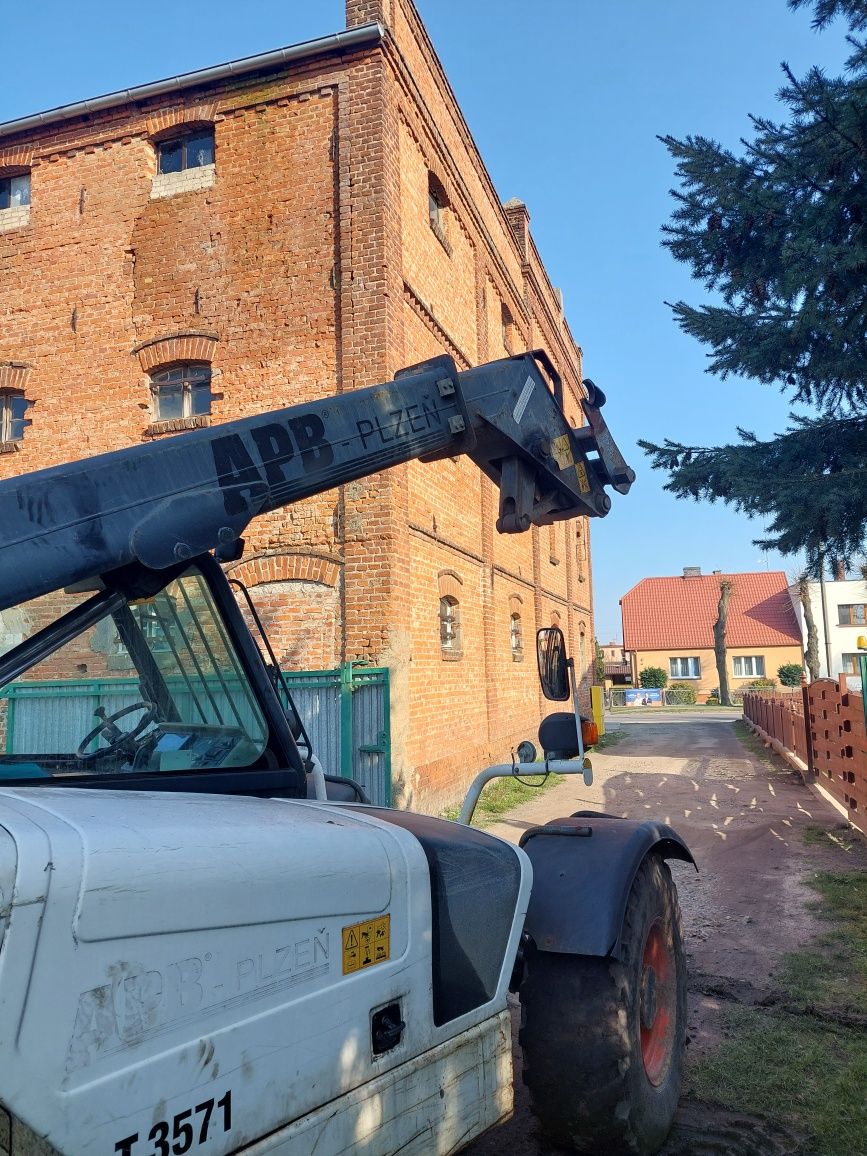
{"x":692,"y":571}
{"x":519,"y":222}
{"x":368,"y":12}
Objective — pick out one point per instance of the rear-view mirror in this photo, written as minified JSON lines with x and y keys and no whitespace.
{"x":553,"y":663}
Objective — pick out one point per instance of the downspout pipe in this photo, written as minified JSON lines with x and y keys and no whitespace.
{"x":358,"y":37}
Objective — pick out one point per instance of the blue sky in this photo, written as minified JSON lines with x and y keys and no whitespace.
{"x":564,"y":98}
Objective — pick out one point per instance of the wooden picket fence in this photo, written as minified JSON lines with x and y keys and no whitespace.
{"x":831,"y":741}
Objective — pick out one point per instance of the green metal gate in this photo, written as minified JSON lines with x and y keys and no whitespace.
{"x":345,"y":711}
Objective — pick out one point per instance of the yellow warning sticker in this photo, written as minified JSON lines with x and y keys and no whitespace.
{"x":365,"y":944}
{"x":561,"y":452}
{"x":583,"y":483}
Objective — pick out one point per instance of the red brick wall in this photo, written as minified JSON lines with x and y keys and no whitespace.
{"x":307,"y":267}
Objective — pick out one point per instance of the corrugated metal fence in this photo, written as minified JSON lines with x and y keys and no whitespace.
{"x":345,"y":711}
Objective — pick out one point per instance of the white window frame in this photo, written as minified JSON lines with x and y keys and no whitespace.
{"x":693,"y":662}
{"x":749,"y":666}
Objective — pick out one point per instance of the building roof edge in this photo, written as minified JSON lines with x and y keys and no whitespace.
{"x":335,"y":42}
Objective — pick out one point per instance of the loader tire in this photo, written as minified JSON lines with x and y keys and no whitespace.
{"x":602,"y":1039}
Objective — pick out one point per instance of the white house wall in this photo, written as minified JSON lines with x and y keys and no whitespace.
{"x":842,"y":638}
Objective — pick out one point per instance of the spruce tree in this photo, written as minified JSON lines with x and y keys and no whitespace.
{"x":778,"y":233}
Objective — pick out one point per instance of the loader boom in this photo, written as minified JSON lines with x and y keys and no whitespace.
{"x":162,"y":503}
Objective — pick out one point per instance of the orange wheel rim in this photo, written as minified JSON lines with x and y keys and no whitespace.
{"x":657,"y":1011}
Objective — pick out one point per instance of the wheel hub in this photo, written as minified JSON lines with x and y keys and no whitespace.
{"x":656,"y":1004}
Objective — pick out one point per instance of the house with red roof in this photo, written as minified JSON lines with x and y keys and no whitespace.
{"x":668,"y":623}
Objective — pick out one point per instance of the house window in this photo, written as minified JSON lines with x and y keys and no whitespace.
{"x":684,"y":667}
{"x":516,"y":637}
{"x":850,"y":663}
{"x":748,"y":666}
{"x":450,"y":626}
{"x":181,"y":392}
{"x":854,"y":615}
{"x":13,"y":407}
{"x":187,"y":152}
{"x":15,"y":192}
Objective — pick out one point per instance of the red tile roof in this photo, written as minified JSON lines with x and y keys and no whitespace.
{"x":679,"y":613}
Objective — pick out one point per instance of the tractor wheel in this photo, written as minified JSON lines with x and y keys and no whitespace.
{"x":602,"y":1038}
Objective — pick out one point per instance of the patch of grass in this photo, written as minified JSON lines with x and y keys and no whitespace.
{"x":502,"y":795}
{"x":797,"y":1068}
{"x":834,"y":974}
{"x":808,"y":1076}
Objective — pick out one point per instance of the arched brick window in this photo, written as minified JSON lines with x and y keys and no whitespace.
{"x":451,"y":642}
{"x":179,"y":369}
{"x":185,"y":148}
{"x":437,"y":203}
{"x":13,"y":404}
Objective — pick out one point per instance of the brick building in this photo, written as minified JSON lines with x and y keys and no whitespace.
{"x":305,"y":222}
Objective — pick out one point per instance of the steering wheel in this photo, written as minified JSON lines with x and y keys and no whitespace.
{"x":116,"y":738}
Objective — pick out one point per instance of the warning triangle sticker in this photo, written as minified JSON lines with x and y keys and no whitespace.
{"x":351,"y":940}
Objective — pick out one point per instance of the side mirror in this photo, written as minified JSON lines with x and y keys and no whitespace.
{"x":553,"y":663}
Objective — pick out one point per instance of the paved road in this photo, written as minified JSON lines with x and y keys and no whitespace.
{"x":742,"y":816}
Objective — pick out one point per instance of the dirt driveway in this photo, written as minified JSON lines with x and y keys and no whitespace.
{"x":742,"y":816}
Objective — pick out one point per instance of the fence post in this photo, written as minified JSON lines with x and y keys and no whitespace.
{"x":808,"y":734}
{"x":346,"y":761}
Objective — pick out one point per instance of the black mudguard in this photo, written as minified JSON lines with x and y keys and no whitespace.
{"x":583,"y":868}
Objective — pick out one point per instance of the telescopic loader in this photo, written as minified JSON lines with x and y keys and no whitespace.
{"x":207,"y":943}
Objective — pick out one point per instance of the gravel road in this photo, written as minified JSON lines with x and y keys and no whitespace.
{"x":742,"y":816}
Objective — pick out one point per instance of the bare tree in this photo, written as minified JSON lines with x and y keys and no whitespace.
{"x":811,"y":653}
{"x":719,"y":641}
